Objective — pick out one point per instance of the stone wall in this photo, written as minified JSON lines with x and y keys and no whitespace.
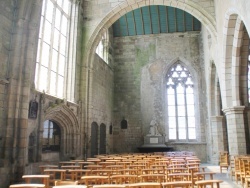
{"x":141,"y":64}
{"x":6,"y":16}
{"x":100,"y":99}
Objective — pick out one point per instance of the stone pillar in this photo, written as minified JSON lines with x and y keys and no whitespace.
{"x":236,"y":130}
{"x":217,"y":138}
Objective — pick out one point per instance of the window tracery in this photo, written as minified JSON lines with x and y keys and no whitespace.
{"x":180,"y":104}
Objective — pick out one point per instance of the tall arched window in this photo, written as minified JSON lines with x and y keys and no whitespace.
{"x":55,"y":62}
{"x":180,"y":104}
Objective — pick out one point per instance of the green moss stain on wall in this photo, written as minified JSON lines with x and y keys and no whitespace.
{"x":143,"y":55}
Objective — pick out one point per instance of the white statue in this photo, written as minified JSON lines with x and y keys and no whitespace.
{"x":153,"y":129}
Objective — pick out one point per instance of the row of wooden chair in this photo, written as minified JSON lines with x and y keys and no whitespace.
{"x":161,"y":168}
{"x":240,"y":169}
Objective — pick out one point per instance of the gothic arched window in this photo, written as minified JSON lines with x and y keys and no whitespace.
{"x":180,"y":104}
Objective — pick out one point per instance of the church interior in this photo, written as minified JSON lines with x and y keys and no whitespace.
{"x":82,"y":78}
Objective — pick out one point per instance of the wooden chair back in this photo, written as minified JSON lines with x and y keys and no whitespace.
{"x":183,"y":184}
{"x":31,"y":185}
{"x":145,"y":185}
{"x":58,"y":182}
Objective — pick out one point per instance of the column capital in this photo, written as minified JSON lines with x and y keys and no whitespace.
{"x":234,"y":110}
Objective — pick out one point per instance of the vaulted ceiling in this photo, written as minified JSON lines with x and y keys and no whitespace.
{"x":155,"y":19}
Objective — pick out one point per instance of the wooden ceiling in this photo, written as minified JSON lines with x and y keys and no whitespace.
{"x":155,"y":19}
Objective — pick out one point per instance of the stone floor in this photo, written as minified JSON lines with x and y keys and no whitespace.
{"x":227,"y":182}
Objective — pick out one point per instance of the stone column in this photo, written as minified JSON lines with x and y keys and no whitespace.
{"x":217,"y":138}
{"x":236,"y":130}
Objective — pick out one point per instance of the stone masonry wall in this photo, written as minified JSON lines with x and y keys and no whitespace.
{"x":100,"y":99}
{"x":6,"y":16}
{"x":141,"y":63}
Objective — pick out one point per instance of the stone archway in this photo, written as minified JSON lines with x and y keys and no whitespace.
{"x":70,"y":135}
{"x":233,"y":85}
{"x":193,"y":8}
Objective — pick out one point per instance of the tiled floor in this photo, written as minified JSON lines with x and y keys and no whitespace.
{"x":227,"y":182}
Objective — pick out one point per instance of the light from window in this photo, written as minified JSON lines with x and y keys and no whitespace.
{"x":51,"y":136}
{"x":52,"y":45}
{"x":102,"y":48}
{"x":180,"y":104}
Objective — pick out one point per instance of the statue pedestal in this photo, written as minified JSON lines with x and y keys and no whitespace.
{"x":154,"y":143}
{"x":154,"y":140}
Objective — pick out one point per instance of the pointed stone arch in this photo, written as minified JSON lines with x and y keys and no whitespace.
{"x":234,"y":59}
{"x":70,"y":130}
{"x":193,"y":8}
{"x":233,"y":79}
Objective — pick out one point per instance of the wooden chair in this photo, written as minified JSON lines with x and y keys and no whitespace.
{"x":129,"y":171}
{"x":54,"y":174}
{"x":232,"y":166}
{"x":27,"y":186}
{"x":71,"y":167}
{"x":66,"y":183}
{"x":205,"y":183}
{"x":83,"y":164}
{"x":224,"y":160}
{"x":102,"y":172}
{"x":202,"y":175}
{"x":44,"y":179}
{"x":66,"y":163}
{"x":179,"y":177}
{"x":94,"y":180}
{"x":247,"y":182}
{"x":109,"y":186}
{"x":78,"y":173}
{"x":183,"y":184}
{"x":237,"y":168}
{"x":43,"y":167}
{"x":244,"y":169}
{"x":93,"y":167}
{"x":123,"y":179}
{"x":70,"y":186}
{"x":145,"y":185}
{"x":152,"y":178}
